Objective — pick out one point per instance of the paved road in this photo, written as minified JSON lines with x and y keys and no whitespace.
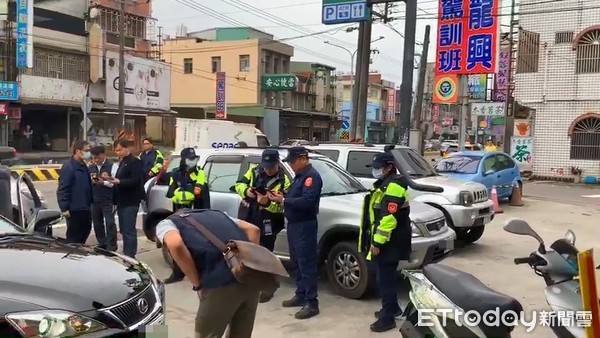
{"x":575,"y":194}
{"x":490,"y":260}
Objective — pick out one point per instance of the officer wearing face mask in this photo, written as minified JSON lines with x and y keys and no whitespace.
{"x":385,"y":235}
{"x":188,"y":188}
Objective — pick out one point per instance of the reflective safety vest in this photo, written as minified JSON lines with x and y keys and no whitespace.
{"x":188,"y":189}
{"x":156,"y":159}
{"x":274,"y":184}
{"x":382,"y":206}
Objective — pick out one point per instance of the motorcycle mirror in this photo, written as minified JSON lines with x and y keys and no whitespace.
{"x":521,"y":227}
{"x":570,"y":237}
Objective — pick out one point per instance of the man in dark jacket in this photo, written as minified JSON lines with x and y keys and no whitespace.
{"x":129,"y":192}
{"x":152,"y":159}
{"x":103,"y":217}
{"x":74,"y":194}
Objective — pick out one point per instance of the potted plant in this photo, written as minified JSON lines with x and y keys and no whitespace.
{"x":576,"y":172}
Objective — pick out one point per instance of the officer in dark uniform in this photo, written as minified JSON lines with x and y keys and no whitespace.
{"x":385,"y":235}
{"x":301,"y":206}
{"x":152,"y":159}
{"x":188,"y":188}
{"x":267,"y":215}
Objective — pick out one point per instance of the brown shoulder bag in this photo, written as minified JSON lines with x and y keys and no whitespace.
{"x":250,"y":263}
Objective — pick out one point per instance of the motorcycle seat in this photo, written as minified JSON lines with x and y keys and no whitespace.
{"x":469,"y":293}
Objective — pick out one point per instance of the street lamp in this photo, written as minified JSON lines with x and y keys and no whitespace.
{"x":352,"y":55}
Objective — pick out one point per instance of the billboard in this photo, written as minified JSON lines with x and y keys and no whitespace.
{"x":477,"y":87}
{"x":501,"y":91}
{"x":147,"y":82}
{"x":445,"y":89}
{"x":467,"y":37}
{"x":391,"y":105}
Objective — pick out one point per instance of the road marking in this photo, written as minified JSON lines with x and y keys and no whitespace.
{"x":591,"y":196}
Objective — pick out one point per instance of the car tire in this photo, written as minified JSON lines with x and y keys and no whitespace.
{"x":345,"y":261}
{"x":470,"y":235}
{"x":167,"y":257}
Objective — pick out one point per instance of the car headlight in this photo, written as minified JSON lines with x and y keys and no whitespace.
{"x":416,"y":232}
{"x":150,"y":273}
{"x":53,"y":323}
{"x":466,"y":198}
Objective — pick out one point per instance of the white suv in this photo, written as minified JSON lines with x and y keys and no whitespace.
{"x":465,"y":204}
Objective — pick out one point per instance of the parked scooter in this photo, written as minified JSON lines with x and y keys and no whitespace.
{"x":458,"y":293}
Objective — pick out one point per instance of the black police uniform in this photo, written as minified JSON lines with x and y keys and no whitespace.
{"x":386,"y":226}
{"x":301,"y":206}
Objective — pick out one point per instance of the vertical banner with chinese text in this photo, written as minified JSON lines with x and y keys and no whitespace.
{"x":501,"y":90}
{"x":478,"y":86}
{"x":467,"y":37}
{"x":391,"y":105}
{"x":221,"y":103}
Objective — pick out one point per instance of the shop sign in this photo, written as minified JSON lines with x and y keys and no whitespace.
{"x":220,"y":100}
{"x":9,"y":91}
{"x":521,"y":150}
{"x":279,"y":82}
{"x":147,"y":82}
{"x":487,"y":109}
{"x":24,"y":34}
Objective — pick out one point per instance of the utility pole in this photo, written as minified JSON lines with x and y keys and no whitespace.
{"x":463,"y":81}
{"x":421,"y":86}
{"x":355,"y":88}
{"x":401,"y":133}
{"x":509,"y":102}
{"x":363,"y":78}
{"x":122,"y":63}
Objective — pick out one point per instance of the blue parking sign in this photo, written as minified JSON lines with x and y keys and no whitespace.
{"x":345,"y":11}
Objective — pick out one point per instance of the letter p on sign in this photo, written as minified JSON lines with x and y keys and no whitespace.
{"x":329,"y":13}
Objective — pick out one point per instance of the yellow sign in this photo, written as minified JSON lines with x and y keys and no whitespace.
{"x":589,"y":291}
{"x":445,"y":89}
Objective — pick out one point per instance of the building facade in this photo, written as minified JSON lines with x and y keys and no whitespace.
{"x":311,"y":113}
{"x":557,"y":74}
{"x":382,"y":109}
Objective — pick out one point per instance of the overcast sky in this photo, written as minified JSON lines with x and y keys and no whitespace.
{"x":293,"y":18}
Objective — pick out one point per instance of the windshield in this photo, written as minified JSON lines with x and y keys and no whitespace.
{"x":7,"y":227}
{"x":414,"y":164}
{"x":459,"y":164}
{"x":336,"y":181}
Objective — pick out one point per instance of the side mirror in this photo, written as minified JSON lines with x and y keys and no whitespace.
{"x":44,"y":220}
{"x":570,"y":237}
{"x":489,"y":172}
{"x":520,"y":227}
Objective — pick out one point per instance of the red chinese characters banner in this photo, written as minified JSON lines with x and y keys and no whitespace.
{"x":467,"y":37}
{"x":391,"y":106}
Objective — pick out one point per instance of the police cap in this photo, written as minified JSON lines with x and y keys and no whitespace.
{"x":269,"y":159}
{"x":295,"y":153}
{"x":381,"y":160}
{"x":189,"y":154}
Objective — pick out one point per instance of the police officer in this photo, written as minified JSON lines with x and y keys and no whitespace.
{"x":386,"y":235}
{"x":188,"y":188}
{"x":301,"y":206}
{"x":152,"y":159}
{"x":267,"y":215}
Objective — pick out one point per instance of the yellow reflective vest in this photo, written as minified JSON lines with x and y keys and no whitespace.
{"x":385,"y":206}
{"x":273,"y":183}
{"x":185,"y":191}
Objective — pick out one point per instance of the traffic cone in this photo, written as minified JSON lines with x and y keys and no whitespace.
{"x":496,"y":206}
{"x":516,"y":200}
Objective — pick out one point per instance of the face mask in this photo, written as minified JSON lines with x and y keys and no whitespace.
{"x":377,"y":173}
{"x":87,"y":155}
{"x":191,"y":163}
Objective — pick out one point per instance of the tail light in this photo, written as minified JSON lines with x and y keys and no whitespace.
{"x":14,"y":154}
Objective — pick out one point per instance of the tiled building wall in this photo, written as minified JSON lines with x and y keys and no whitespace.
{"x":558,"y":94}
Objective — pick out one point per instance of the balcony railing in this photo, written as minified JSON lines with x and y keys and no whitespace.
{"x":60,"y":65}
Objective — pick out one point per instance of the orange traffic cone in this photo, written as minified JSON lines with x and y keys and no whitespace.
{"x":496,"y":206}
{"x":516,"y":199}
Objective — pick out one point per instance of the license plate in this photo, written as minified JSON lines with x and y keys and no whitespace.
{"x":449,"y":245}
{"x":487,"y":219}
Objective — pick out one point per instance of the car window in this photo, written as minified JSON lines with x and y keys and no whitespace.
{"x":262,"y":141}
{"x":174,"y":163}
{"x":459,"y":164}
{"x":413,"y":163}
{"x":28,"y":190}
{"x":358,"y":161}
{"x":331,"y":153}
{"x":222,"y":175}
{"x":335,"y":180}
{"x":489,"y":164}
{"x":6,"y":227}
{"x":504,"y":162}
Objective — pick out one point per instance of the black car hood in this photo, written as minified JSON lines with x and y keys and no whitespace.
{"x":47,"y":273}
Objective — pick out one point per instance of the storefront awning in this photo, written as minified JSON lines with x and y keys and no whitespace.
{"x":99,"y":108}
{"x":303,"y":112}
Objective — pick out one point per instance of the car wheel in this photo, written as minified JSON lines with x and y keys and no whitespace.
{"x":470,"y":235}
{"x":348,"y":271}
{"x":167,"y":256}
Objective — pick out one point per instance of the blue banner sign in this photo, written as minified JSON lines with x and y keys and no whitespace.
{"x":9,"y":91}
{"x":22,"y":36}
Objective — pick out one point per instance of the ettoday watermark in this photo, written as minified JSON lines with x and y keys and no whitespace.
{"x":495,"y":317}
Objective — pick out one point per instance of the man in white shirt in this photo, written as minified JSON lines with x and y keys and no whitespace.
{"x":103,"y":216}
